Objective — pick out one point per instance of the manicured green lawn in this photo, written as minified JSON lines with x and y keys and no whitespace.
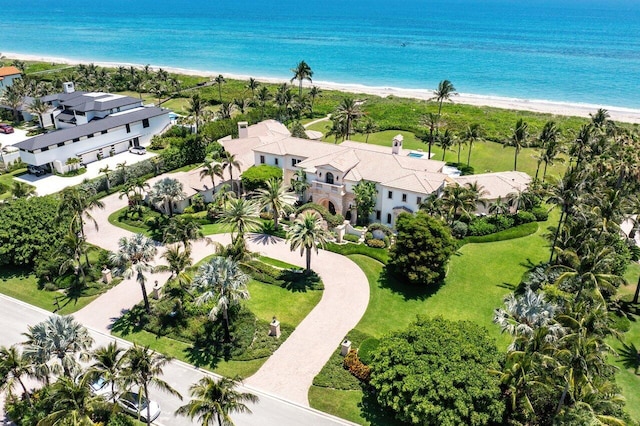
{"x":6,"y":180}
{"x":485,"y":156}
{"x":216,"y":228}
{"x":479,"y":277}
{"x":208,"y":229}
{"x":24,"y":286}
{"x":278,"y":263}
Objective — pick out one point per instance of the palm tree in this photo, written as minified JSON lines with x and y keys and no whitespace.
{"x":167,"y":191}
{"x":225,"y":111}
{"x":367,"y":127}
{"x":518,"y":140}
{"x":299,"y":183}
{"x":548,"y":137}
{"x":243,"y":216}
{"x":107,"y":364}
{"x":142,"y":367}
{"x":214,"y":400}
{"x":581,"y":143}
{"x":38,"y":107}
{"x":499,"y":207}
{"x":241,"y":104}
{"x":178,"y":260}
{"x":252,"y":85}
{"x":443,"y":93}
{"x":283,"y":100}
{"x":221,"y":280}
{"x":195,"y":108}
{"x":61,"y":338}
{"x":307,"y":233}
{"x":219,"y":80}
{"x":122,"y":167}
{"x":314,"y":92}
{"x":630,"y":357}
{"x":106,"y":170}
{"x":182,"y":230}
{"x":72,"y":248}
{"x":600,"y":119}
{"x":263,"y":97}
{"x":229,"y":161}
{"x":13,"y":367}
{"x":277,"y":197}
{"x":565,"y":195}
{"x":12,"y":97}
{"x":432,"y":121}
{"x":211,"y":169}
{"x":445,"y":141}
{"x":22,"y":190}
{"x":302,"y":71}
{"x":472,"y":133}
{"x":73,"y":403}
{"x":458,"y":200}
{"x":348,"y":111}
{"x":78,"y":202}
{"x":134,"y":256}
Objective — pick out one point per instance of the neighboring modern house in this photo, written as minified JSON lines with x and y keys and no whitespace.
{"x":7,"y":75}
{"x":403,"y":178}
{"x":91,"y":126}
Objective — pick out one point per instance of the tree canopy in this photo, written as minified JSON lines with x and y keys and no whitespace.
{"x":422,"y":250}
{"x":257,"y":176}
{"x":436,"y":372}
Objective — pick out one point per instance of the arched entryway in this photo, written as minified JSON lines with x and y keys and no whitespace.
{"x":329,"y":205}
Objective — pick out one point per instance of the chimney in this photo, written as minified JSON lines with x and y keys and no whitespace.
{"x":397,"y":144}
{"x":243,"y":130}
{"x":68,"y":87}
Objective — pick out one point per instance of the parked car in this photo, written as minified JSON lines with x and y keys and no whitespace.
{"x":36,"y":170}
{"x":136,"y":404}
{"x":5,"y":128}
{"x":99,"y":386}
{"x":140,"y":150}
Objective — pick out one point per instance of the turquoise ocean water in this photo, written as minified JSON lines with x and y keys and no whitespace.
{"x":563,"y":50}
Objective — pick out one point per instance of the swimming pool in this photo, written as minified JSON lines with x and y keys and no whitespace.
{"x":416,"y":154}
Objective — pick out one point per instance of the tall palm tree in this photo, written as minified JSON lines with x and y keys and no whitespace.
{"x":60,"y":338}
{"x":432,"y":121}
{"x":73,"y":403}
{"x":367,"y":127}
{"x":263,"y":97}
{"x":214,"y":400}
{"x":38,"y":107}
{"x":243,"y":216}
{"x":499,"y":207}
{"x":348,"y":111}
{"x":299,"y":183}
{"x":122,"y":168}
{"x":219,"y":80}
{"x":548,"y":136}
{"x":13,"y":97}
{"x":195,"y":108}
{"x":178,"y":260}
{"x":445,"y":141}
{"x":458,"y":200}
{"x":306,"y":234}
{"x":472,"y":133}
{"x":134,"y":256}
{"x":167,"y":191}
{"x":221,"y":280}
{"x":229,"y":161}
{"x":72,"y":248}
{"x":211,"y":169}
{"x":14,"y":365}
{"x":443,"y":93}
{"x":565,"y":194}
{"x":142,"y":368}
{"x":277,"y":197}
{"x":284,"y":99}
{"x":106,"y":170}
{"x":241,"y":104}
{"x":314,"y":92}
{"x":518,"y":140}
{"x":107,"y":364}
{"x":252,"y":85}
{"x":302,"y":71}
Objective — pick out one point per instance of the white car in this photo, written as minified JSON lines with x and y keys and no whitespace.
{"x":140,"y":150}
{"x":99,"y":386}
{"x":136,"y":404}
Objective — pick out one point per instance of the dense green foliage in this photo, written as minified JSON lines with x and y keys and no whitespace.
{"x":437,"y":372}
{"x":257,"y":176}
{"x":422,"y":250}
{"x":28,"y":227}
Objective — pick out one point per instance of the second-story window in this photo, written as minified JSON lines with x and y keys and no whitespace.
{"x":390,"y":195}
{"x":404,"y":198}
{"x":329,"y":178}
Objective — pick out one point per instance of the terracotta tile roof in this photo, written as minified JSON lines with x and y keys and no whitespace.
{"x":6,"y":71}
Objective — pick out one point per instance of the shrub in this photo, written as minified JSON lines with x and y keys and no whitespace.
{"x":189,"y":210}
{"x":120,"y":419}
{"x":332,"y":220}
{"x":366,"y":349}
{"x":266,"y":215}
{"x":540,"y":213}
{"x":481,"y":227}
{"x":380,"y":227}
{"x":524,"y":217}
{"x":501,"y":222}
{"x":368,"y":235}
{"x":352,"y":238}
{"x":257,"y":176}
{"x":459,"y":229}
{"x":375,"y":243}
{"x":356,"y":367}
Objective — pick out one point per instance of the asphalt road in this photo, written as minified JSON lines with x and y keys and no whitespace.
{"x":16,"y":316}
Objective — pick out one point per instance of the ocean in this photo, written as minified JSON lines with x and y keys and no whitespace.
{"x":584,"y":51}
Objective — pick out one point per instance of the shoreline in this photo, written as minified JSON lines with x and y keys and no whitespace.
{"x":621,"y":114}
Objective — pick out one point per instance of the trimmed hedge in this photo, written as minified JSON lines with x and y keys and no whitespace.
{"x":351,"y":238}
{"x":379,"y":254}
{"x":508,"y":234}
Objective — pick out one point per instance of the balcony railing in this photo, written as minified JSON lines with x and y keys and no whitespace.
{"x":329,"y":188}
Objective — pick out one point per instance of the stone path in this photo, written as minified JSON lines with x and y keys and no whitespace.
{"x":289,"y":372}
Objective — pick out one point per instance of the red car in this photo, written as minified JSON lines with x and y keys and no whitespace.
{"x":5,"y":128}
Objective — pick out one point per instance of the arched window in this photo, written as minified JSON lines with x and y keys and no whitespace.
{"x":329,"y":178}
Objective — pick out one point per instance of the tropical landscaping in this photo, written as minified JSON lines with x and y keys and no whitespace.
{"x":537,"y":295}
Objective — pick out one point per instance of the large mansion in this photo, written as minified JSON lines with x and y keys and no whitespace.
{"x":403,"y":178}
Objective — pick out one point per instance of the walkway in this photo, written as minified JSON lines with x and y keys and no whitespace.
{"x":289,"y":372}
{"x":311,"y":123}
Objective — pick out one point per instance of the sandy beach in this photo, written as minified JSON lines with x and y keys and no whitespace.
{"x":621,"y":114}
